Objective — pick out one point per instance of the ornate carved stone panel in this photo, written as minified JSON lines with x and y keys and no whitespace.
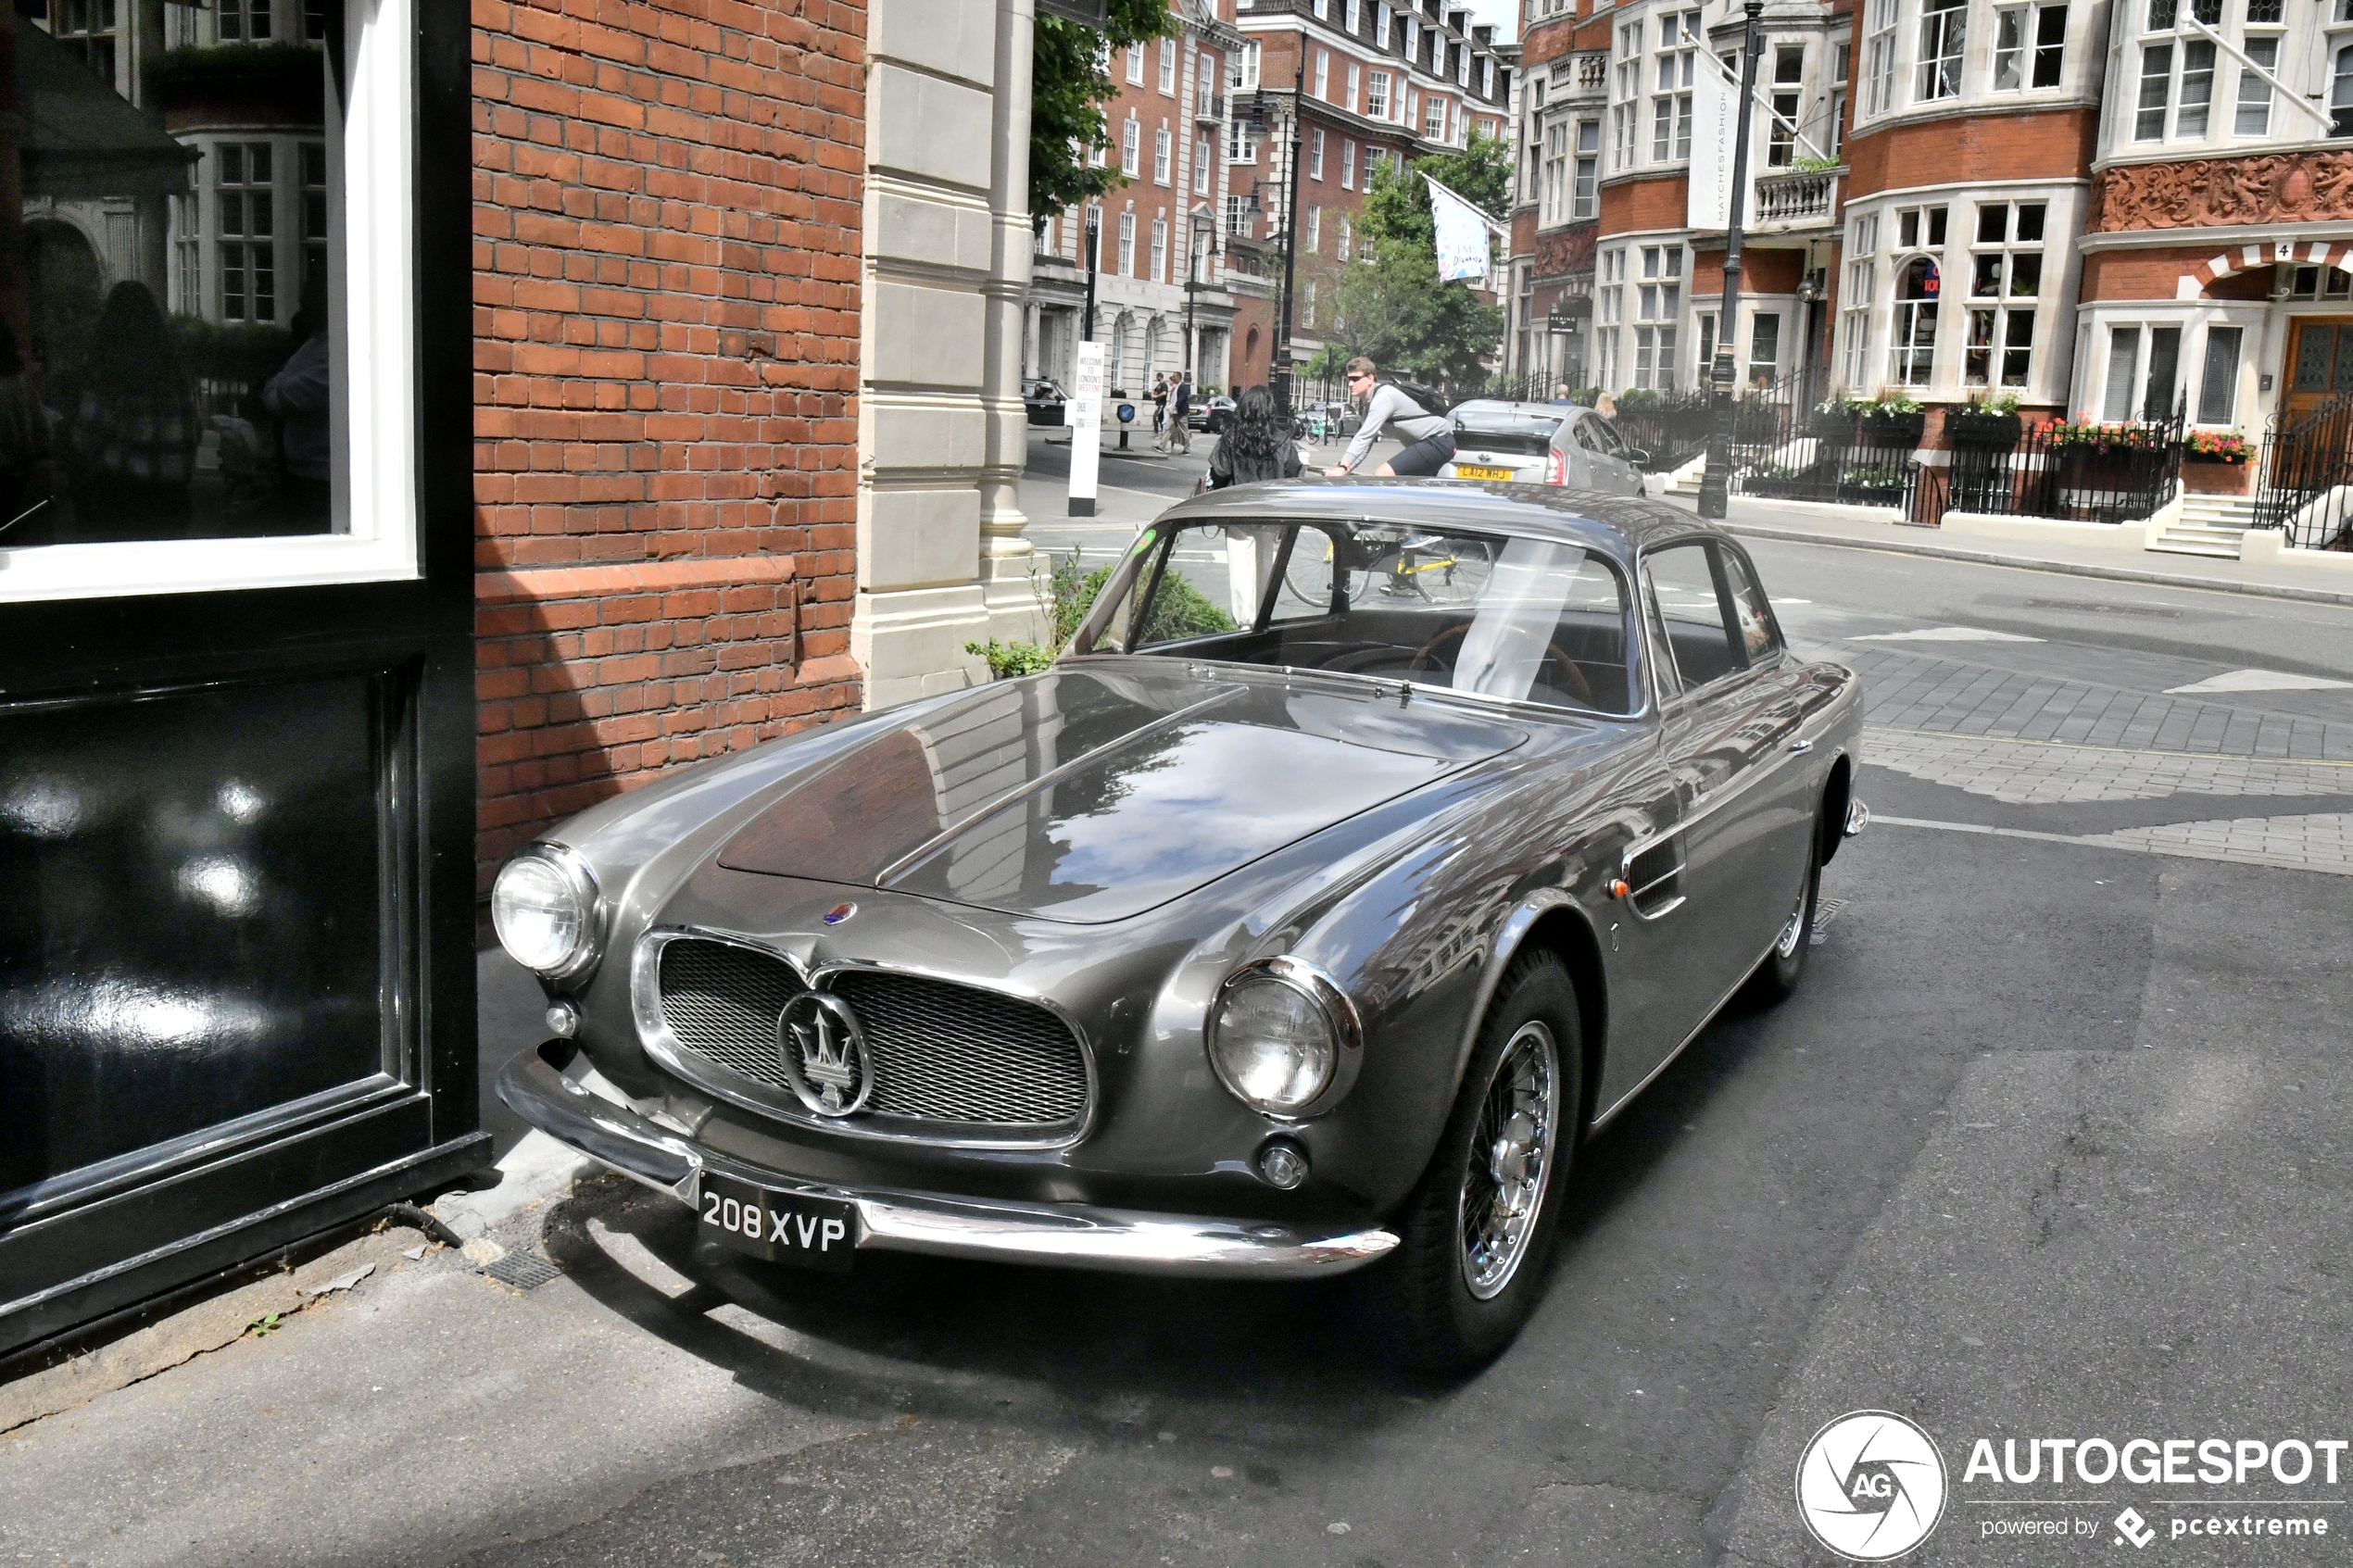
{"x":2286,"y":188}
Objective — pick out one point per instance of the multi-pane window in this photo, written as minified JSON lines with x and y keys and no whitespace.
{"x":1131,"y":144}
{"x":314,"y":213}
{"x":1324,"y":74}
{"x":1348,"y":165}
{"x":1553,"y":207}
{"x":2341,"y":95}
{"x":2030,"y":43}
{"x":1608,"y":310}
{"x":1356,"y":16}
{"x":1168,"y":68}
{"x":248,"y":231}
{"x":1160,"y":249}
{"x":1861,"y":278}
{"x":2198,"y":88}
{"x":1204,"y":174}
{"x":1314,"y":236}
{"x":1841,"y":56}
{"x":1625,"y":90}
{"x":1238,"y":215}
{"x":1355,"y":79}
{"x":1128,"y":245}
{"x":187,"y":230}
{"x":1764,"y":347}
{"x":1675,"y":66}
{"x":1943,"y":34}
{"x":1588,"y":174}
{"x":87,"y":29}
{"x":1315,"y":153}
{"x":1307,"y":304}
{"x":243,"y":22}
{"x":1434,"y":122}
{"x":1376,"y":95}
{"x":2254,"y":116}
{"x":1658,"y":303}
{"x":1164,"y":155}
{"x":1878,"y":58}
{"x":1136,"y":65}
{"x":2157,"y":86}
{"x":1789,"y":73}
{"x":1912,"y":354}
{"x":1241,"y":146}
{"x":1920,"y":228}
{"x":2005,"y":265}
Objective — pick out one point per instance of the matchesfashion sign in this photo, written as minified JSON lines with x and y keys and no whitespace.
{"x":1872,"y":1486}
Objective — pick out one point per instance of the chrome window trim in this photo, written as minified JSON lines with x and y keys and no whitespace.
{"x":1319,"y":987}
{"x":655,"y":1038}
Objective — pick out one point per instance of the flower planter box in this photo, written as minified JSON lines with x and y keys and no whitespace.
{"x":1892,"y":430}
{"x":1985,"y":431}
{"x":2205,"y":477}
{"x":1871,"y":494}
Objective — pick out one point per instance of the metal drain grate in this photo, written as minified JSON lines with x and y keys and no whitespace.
{"x":525,"y":1271}
{"x":1824,"y":912}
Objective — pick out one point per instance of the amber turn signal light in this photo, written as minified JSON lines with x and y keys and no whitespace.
{"x":1618,"y":889}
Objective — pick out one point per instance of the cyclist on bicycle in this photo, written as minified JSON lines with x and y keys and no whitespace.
{"x":1430,"y":439}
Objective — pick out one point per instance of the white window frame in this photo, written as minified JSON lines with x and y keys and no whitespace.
{"x":1315,"y":153}
{"x":1324,"y":74}
{"x":1584,"y":195}
{"x":1376,"y":95}
{"x":1168,"y":68}
{"x":1131,"y":147}
{"x":1160,"y":247}
{"x":1127,"y":254}
{"x":1879,"y":57}
{"x":1355,"y":80}
{"x":1943,"y":50}
{"x":1164,"y":156}
{"x":368,"y":193}
{"x":1348,"y":164}
{"x":1135,"y":64}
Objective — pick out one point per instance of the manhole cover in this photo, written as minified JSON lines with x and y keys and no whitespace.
{"x":525,"y":1271}
{"x":1824,"y":913}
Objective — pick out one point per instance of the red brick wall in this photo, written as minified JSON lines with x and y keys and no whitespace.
{"x":666,"y":232}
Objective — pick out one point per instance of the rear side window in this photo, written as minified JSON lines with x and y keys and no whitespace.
{"x":1750,"y":616}
{"x":1683,"y":585}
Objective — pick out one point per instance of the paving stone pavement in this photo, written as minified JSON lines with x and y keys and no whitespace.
{"x":2042,"y":772}
{"x":1910,"y":691}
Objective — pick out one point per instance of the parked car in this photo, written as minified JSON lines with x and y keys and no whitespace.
{"x":1273,"y":949}
{"x":1046,"y":402}
{"x":1542,"y":444}
{"x":1328,"y":422}
{"x":1213,"y":414}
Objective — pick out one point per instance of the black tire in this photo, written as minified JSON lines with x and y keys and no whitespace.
{"x":1433,"y":1317}
{"x":1784,"y":965}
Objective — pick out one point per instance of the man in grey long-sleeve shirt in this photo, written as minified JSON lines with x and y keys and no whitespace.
{"x":1430,"y":439}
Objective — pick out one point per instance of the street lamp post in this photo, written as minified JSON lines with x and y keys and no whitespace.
{"x":1715,"y":486}
{"x":1192,"y":290}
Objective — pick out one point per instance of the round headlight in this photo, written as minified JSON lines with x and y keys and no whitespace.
{"x":545,"y":907}
{"x":1272,"y":1041}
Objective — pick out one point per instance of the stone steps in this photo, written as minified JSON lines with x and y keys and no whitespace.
{"x":2195,"y":539}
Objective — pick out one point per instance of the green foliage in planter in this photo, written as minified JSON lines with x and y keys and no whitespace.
{"x":1008,"y":659}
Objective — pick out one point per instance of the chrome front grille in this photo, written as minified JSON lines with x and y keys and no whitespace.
{"x":943,"y":1053}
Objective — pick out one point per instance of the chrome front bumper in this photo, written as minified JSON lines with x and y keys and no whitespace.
{"x":1064,"y":1234}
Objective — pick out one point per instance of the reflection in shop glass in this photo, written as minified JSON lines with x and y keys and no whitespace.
{"x":168,"y":367}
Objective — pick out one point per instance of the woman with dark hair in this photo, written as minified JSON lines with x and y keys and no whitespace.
{"x":129,"y":425}
{"x":1255,"y":447}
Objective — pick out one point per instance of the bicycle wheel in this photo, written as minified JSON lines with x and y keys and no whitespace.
{"x":1308,"y":577}
{"x":1459,"y":576}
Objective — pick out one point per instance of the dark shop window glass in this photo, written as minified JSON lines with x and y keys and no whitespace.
{"x":169,"y":351}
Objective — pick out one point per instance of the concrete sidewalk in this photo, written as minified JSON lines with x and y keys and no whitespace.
{"x":1801,"y":524}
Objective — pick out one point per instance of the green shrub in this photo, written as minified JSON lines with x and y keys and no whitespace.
{"x":1006,"y":660}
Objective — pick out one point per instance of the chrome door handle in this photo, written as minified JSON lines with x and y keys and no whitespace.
{"x":1802,"y":746}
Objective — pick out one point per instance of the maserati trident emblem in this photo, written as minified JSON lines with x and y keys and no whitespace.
{"x":823,"y":1051}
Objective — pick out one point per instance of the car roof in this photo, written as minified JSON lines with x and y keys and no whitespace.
{"x":1613,"y":525}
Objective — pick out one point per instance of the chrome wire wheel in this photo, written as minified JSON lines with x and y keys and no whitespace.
{"x":1510,"y":1160}
{"x":1795,"y":931}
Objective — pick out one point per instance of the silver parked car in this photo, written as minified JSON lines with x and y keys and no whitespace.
{"x":1542,"y":444}
{"x":1372,"y":844}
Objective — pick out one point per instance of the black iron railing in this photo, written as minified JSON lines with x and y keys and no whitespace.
{"x":2112,"y":474}
{"x":2307,"y":486}
{"x":1671,"y":427}
{"x":1790,"y":443}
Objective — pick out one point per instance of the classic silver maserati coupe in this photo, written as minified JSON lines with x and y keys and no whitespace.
{"x":1371,"y":845}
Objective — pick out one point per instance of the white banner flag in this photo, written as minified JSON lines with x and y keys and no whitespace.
{"x":1709,"y":204}
{"x":1084,"y":416}
{"x":1462,"y":236}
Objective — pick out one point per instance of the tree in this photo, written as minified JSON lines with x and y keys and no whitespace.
{"x":1392,"y":309}
{"x":1070,"y":83}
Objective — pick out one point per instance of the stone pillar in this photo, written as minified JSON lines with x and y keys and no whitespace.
{"x":944,"y":263}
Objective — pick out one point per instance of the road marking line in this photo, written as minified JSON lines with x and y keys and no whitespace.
{"x":2261,"y":681}
{"x":1945,"y":635}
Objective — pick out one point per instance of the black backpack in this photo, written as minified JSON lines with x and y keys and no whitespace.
{"x":1432,"y":401}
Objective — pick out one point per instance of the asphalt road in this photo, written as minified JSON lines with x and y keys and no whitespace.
{"x":2051,"y":1142}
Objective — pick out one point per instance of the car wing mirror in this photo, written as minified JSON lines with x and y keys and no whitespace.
{"x":1637,"y":457}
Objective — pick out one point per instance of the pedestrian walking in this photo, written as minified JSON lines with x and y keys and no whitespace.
{"x":1180,"y":414}
{"x":1255,"y":447}
{"x":1430,"y":439}
{"x":1160,"y":409}
{"x":1560,"y":392}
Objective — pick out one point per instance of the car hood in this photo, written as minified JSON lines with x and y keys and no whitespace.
{"x":1097,"y":791}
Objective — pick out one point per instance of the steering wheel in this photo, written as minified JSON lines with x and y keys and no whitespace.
{"x":1426,"y":657}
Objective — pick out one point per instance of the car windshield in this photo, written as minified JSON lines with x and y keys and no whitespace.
{"x":1485,"y":615}
{"x":1498,"y":427}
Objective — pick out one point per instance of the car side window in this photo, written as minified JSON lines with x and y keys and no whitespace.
{"x":1670,"y":681}
{"x":1583,"y":430}
{"x":1606,"y":434}
{"x":1697,"y":628}
{"x":1759,"y":640}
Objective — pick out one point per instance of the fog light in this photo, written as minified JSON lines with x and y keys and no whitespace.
{"x":1282,"y":1165}
{"x":564,"y":1019}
